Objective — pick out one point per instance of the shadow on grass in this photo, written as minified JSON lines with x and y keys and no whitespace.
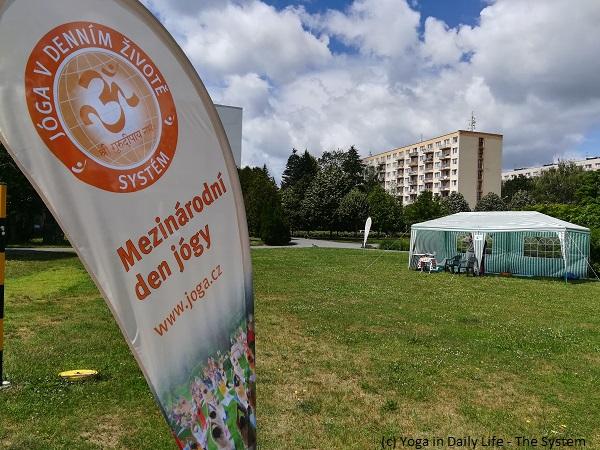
{"x":37,"y":255}
{"x":538,"y":278}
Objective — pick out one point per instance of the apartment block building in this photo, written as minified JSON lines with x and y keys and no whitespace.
{"x":592,"y":163}
{"x":469,"y":162}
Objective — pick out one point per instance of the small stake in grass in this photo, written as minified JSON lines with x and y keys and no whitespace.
{"x":3,"y":383}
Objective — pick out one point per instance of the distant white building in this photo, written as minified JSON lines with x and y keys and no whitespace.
{"x":592,"y":163}
{"x":231,"y":117}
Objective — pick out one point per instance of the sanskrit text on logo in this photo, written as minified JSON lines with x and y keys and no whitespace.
{"x":101,"y":106}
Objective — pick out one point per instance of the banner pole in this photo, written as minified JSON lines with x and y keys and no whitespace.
{"x":3,"y":383}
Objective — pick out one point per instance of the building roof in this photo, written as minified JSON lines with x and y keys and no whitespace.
{"x":422,"y":142}
{"x":498,"y":221}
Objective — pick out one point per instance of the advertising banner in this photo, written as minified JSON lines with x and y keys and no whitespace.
{"x":107,"y":118}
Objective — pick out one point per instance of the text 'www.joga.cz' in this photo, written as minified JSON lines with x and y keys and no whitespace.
{"x":187,"y":304}
{"x":481,"y":442}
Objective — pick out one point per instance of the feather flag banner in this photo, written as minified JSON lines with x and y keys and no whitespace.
{"x":107,"y":118}
{"x":367,"y":230}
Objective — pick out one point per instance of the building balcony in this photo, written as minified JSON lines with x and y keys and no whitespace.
{"x":413,"y":153}
{"x":446,"y":156}
{"x":445,"y":166}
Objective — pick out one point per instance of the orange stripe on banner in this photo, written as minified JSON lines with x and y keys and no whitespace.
{"x":2,"y":266}
{"x":2,"y":201}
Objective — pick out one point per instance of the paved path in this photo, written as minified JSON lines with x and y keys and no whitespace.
{"x":39,"y":250}
{"x":308,"y":243}
{"x":296,"y":243}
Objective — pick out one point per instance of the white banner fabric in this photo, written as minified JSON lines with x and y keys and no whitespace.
{"x":109,"y":121}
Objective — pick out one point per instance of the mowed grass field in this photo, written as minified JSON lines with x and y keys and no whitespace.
{"x":351,"y":347}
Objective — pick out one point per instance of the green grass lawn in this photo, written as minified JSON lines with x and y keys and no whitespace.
{"x":351,"y":346}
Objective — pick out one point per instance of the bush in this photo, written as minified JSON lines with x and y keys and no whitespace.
{"x":399,"y":244}
{"x":337,"y":235}
{"x":273,"y":229}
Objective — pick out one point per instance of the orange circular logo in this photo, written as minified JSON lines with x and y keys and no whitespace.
{"x":101,"y":106}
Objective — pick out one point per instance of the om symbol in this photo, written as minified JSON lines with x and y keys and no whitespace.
{"x":110,"y":93}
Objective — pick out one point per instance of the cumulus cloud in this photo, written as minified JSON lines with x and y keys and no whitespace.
{"x":527,"y":69}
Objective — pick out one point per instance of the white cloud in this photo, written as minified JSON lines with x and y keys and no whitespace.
{"x":380,"y":27}
{"x":527,"y":69}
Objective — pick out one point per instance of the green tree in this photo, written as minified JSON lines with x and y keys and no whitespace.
{"x":520,"y":201}
{"x":298,"y":175}
{"x":425,"y":207}
{"x":514,"y":185}
{"x":264,"y":212}
{"x":293,"y":170}
{"x":353,"y":210}
{"x":490,"y":202}
{"x":385,"y":211}
{"x":291,"y":202}
{"x":589,"y":187}
{"x":558,"y":184}
{"x":371,"y":178}
{"x":323,"y":198}
{"x":455,"y":203}
{"x":353,"y":167}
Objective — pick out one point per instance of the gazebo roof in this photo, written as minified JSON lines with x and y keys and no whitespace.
{"x":498,"y":221}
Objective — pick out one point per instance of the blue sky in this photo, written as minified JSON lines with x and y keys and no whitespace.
{"x":454,"y":12}
{"x":328,"y":74}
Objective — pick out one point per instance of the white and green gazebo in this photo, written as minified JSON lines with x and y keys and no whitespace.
{"x":525,"y":243}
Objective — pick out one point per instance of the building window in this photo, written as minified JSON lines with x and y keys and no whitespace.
{"x":438,"y":144}
{"x":541,"y":247}
{"x":437,"y":174}
{"x":455,"y":160}
{"x":455,"y":150}
{"x":454,"y":182}
{"x":437,"y":185}
{"x":481,"y":142}
{"x":389,"y":156}
{"x":455,"y":139}
{"x":454,"y":171}
{"x":438,"y":154}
